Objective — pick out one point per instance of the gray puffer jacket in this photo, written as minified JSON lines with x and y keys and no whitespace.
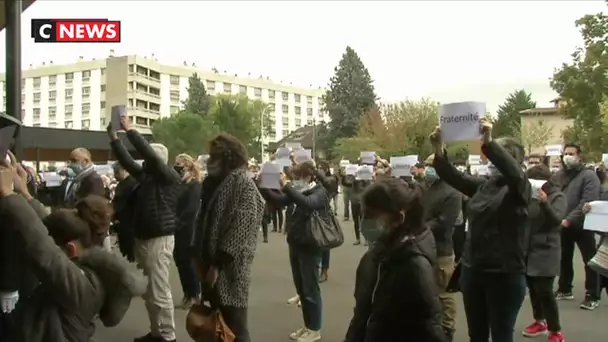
{"x":70,"y":293}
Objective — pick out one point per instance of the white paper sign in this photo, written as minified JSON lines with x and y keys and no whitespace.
{"x":474,"y":159}
{"x":283,"y":163}
{"x":302,"y":156}
{"x":401,"y":166}
{"x":52,"y":179}
{"x":351,"y":169}
{"x":605,"y":159}
{"x":344,"y":163}
{"x":293,"y":145}
{"x":283,"y":152}
{"x":597,"y":219}
{"x":553,"y":150}
{"x":364,"y":172}
{"x":460,"y":121}
{"x":368,"y":158}
{"x":479,"y":170}
{"x":270,"y":176}
{"x":536,"y":184}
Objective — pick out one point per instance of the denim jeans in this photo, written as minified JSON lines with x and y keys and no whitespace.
{"x":325,"y":260}
{"x":305,"y":272}
{"x":491,"y":303}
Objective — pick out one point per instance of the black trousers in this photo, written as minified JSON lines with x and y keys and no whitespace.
{"x":183,"y":262}
{"x":544,"y":304}
{"x":236,"y":319}
{"x":585,"y":240}
{"x":7,"y":328}
{"x":276,"y":216}
{"x":355,"y":208}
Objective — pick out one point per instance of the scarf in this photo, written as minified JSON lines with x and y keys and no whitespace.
{"x":71,"y":196}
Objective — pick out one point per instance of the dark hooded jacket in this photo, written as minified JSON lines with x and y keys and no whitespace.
{"x":71,"y":293}
{"x":396,"y":292}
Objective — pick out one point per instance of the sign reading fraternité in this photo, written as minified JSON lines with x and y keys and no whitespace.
{"x":460,"y":121}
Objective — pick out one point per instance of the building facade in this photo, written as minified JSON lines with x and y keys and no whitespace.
{"x":551,"y":117}
{"x":80,"y":95}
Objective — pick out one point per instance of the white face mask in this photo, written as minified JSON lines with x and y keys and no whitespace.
{"x":570,"y":160}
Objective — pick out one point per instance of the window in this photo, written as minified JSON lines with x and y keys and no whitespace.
{"x":257,"y":92}
{"x":296,"y":97}
{"x":69,"y":77}
{"x":52,"y":125}
{"x":227,"y":87}
{"x":102,"y":88}
{"x":285,"y":132}
{"x":85,"y":124}
{"x":86,"y":74}
{"x":36,"y":82}
{"x":68,"y":109}
{"x":131,"y":68}
{"x":141,"y":121}
{"x":309,"y":111}
{"x":102,"y":104}
{"x":68,"y":124}
{"x":36,"y":97}
{"x":174,"y":95}
{"x":284,"y":108}
{"x":210,"y":85}
{"x":298,"y":110}
{"x":271,"y":94}
{"x":102,"y":122}
{"x":309,"y":100}
{"x":86,"y":108}
{"x":298,"y":123}
{"x":285,"y":96}
{"x":52,"y":112}
{"x":52,"y":80}
{"x":174,"y":80}
{"x":243,"y":89}
{"x":36,"y":125}
{"x":36,"y":112}
{"x":174,"y":110}
{"x":86,"y":90}
{"x":68,"y":93}
{"x":52,"y":95}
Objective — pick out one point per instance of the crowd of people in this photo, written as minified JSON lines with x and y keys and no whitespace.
{"x":442,"y":230}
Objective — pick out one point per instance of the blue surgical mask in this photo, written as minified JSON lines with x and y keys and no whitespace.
{"x":494,"y":172}
{"x":430,"y":174}
{"x":77,"y":168}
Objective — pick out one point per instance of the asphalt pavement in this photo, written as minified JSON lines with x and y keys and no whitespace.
{"x":271,"y":319}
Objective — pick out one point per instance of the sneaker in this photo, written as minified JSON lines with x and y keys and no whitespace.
{"x":310,"y":336}
{"x":535,"y":329}
{"x":293,"y":300}
{"x":297,"y":334}
{"x":299,"y":303}
{"x":564,"y":295}
{"x":148,"y":338}
{"x":357,"y":243}
{"x":589,"y":304}
{"x":557,"y":337}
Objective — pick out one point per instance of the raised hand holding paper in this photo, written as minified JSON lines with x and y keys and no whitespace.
{"x":303,"y":156}
{"x":368,"y":158}
{"x":460,"y":121}
{"x":270,"y":176}
{"x":365,"y":172}
{"x":117,"y":113}
{"x":553,"y":150}
{"x":351,"y":170}
{"x":596,"y":218}
{"x":401,"y":166}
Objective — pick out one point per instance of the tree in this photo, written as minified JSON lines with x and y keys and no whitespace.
{"x":583,"y":83}
{"x":350,"y":95}
{"x":245,"y":119}
{"x":351,"y":148}
{"x":509,"y":113}
{"x":198,"y":101}
{"x":535,"y":134}
{"x":184,"y":133}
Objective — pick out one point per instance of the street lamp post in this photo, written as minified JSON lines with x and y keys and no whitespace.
{"x":12,"y":14}
{"x":314,"y":138}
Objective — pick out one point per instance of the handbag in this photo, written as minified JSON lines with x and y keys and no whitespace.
{"x":205,"y":323}
{"x":599,"y":263}
{"x":325,"y":233}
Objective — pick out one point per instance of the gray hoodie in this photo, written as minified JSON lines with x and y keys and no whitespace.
{"x":580,"y":185}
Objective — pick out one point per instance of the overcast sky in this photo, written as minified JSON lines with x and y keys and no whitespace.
{"x":449,"y":51}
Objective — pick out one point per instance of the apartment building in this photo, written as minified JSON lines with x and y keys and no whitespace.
{"x":80,"y":95}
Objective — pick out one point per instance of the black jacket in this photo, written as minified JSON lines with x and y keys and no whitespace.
{"x":123,"y":201}
{"x":497,"y":212}
{"x":297,"y":224}
{"x":442,"y":205}
{"x":71,"y":293}
{"x":188,"y":205}
{"x":396,"y":292}
{"x":544,"y":249}
{"x":156,"y":199}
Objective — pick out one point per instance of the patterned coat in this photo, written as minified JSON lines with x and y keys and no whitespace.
{"x":230,"y":226}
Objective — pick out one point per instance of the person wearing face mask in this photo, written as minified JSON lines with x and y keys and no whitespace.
{"x":396,"y":293}
{"x":188,"y":204}
{"x":154,"y":223}
{"x":85,"y":182}
{"x":82,"y":283}
{"x":580,"y":185}
{"x":493,"y":264}
{"x":308,"y":196}
{"x":442,"y":204}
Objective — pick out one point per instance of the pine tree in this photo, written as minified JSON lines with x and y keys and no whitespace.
{"x":198,"y":101}
{"x":508,"y":118}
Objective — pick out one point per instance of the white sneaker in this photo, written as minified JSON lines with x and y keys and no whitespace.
{"x":310,"y":336}
{"x":297,"y":334}
{"x":299,"y":303}
{"x":293,"y":300}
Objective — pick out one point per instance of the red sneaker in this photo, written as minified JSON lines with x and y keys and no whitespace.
{"x":557,"y":337}
{"x":535,"y":329}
